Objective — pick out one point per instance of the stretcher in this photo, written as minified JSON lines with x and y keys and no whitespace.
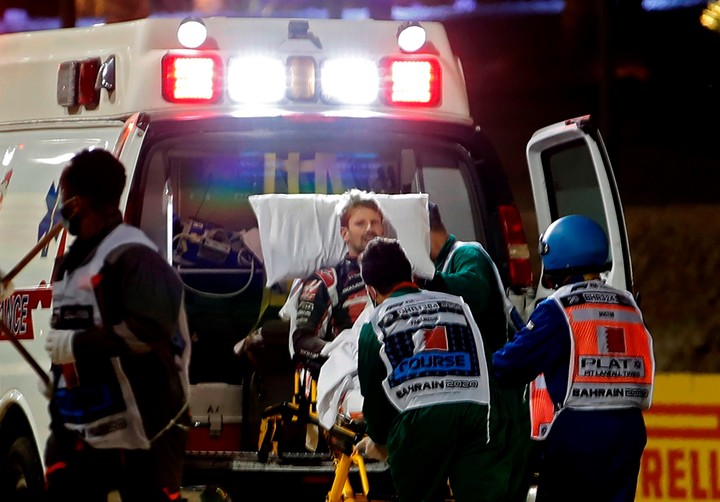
{"x":279,"y":429}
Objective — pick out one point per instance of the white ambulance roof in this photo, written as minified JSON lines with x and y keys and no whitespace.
{"x":29,"y":64}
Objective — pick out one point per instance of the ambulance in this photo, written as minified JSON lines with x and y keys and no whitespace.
{"x":205,"y":113}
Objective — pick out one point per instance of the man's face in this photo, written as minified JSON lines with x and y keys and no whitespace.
{"x":364,"y":224}
{"x":71,"y":210}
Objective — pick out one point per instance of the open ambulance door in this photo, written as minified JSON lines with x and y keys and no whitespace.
{"x":570,"y":173}
{"x":152,"y":210}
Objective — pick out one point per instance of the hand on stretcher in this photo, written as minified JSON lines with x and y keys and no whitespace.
{"x":370,"y":449}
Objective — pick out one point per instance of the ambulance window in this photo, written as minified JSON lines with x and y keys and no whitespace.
{"x":447,"y":188}
{"x":572,"y":182}
{"x":205,"y":180}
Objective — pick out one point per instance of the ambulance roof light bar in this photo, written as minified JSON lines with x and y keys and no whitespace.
{"x":192,"y":33}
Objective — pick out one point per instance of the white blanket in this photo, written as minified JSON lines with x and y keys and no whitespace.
{"x":338,"y":385}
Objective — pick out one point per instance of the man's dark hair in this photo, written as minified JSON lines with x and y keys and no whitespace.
{"x":384,"y":264}
{"x":95,"y":175}
{"x":436,"y":222}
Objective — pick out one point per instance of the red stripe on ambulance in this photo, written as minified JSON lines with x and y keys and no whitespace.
{"x":16,"y":311}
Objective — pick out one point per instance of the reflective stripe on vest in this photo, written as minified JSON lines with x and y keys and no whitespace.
{"x":105,"y":414}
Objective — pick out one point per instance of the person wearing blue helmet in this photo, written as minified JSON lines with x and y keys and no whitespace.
{"x":590,"y":342}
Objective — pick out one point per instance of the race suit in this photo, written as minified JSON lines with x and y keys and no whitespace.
{"x":592,"y":451}
{"x":465,"y":269}
{"x":118,"y":409}
{"x":330,"y":300}
{"x":424,"y":378}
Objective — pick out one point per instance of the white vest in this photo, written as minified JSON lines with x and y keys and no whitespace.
{"x":432,"y":350}
{"x":113,"y":419}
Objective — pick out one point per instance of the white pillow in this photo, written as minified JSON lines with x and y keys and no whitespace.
{"x":300,"y":233}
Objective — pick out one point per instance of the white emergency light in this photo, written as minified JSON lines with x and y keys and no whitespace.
{"x":192,"y":33}
{"x":411,"y":36}
{"x":353,"y":81}
{"x":256,"y":79}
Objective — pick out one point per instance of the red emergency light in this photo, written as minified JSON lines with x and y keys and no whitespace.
{"x":192,"y":77}
{"x":520,"y":269}
{"x":411,"y":82}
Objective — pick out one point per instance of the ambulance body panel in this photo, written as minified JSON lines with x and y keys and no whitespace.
{"x":192,"y":164}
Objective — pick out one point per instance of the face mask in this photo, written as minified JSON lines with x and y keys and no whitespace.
{"x":70,"y":219}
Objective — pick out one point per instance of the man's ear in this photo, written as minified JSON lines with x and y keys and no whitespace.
{"x":344,"y":233}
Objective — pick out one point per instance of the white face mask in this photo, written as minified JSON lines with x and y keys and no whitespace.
{"x":69,"y":217}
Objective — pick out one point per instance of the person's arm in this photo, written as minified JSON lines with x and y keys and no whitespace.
{"x":139,"y":296}
{"x":542,"y":345}
{"x":471,"y":276}
{"x":377,"y":410}
{"x":313,"y":319}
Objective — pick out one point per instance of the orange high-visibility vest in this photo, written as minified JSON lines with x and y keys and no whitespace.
{"x":611,"y":354}
{"x":542,"y":410}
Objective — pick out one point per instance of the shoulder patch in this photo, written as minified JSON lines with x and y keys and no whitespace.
{"x":328,"y":276}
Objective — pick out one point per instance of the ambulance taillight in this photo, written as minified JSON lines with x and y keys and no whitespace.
{"x":80,"y":82}
{"x":411,"y":82}
{"x":192,"y":77}
{"x":520,"y":270}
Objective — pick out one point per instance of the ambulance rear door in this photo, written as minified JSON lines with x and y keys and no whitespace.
{"x":157,"y":225}
{"x":570,"y":173}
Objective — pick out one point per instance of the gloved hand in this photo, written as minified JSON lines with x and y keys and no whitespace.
{"x":58,"y":345}
{"x":370,"y":449}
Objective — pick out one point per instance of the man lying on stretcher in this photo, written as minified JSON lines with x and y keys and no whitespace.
{"x":324,"y":234}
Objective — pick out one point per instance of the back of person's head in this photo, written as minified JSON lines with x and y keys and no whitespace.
{"x":574,"y":244}
{"x":95,"y":175}
{"x":384,"y":264}
{"x":436,"y":223}
{"x":357,"y":199}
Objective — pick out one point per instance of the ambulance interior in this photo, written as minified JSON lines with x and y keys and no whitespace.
{"x":194,"y":205}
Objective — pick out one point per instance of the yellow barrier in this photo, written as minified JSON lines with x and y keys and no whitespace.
{"x":681,"y":460}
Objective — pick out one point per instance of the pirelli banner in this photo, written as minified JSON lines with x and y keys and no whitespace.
{"x":682,"y":457}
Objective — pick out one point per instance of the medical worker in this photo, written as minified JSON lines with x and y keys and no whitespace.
{"x":465,"y":269}
{"x":118,"y":349}
{"x":590,"y":342}
{"x":424,"y":378}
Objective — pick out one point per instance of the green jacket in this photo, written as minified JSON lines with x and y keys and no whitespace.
{"x":470,"y":274}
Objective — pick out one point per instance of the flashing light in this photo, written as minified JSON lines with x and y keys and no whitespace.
{"x":411,"y":36}
{"x":192,"y":33}
{"x":192,"y":77}
{"x":411,"y":82}
{"x":353,"y":81}
{"x":256,"y":80}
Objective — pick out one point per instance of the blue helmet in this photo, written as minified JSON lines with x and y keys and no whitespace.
{"x":574,"y":244}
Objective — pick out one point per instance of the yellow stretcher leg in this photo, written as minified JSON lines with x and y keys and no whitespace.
{"x":342,"y":490}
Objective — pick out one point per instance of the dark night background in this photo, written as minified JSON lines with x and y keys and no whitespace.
{"x":650,"y":79}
